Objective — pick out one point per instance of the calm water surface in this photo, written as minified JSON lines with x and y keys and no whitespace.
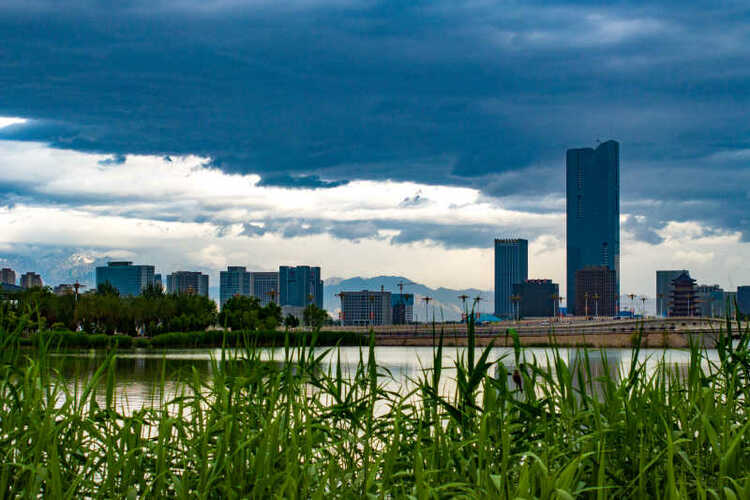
{"x":138,"y":373}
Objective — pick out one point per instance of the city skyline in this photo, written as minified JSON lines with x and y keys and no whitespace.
{"x":398,"y":139}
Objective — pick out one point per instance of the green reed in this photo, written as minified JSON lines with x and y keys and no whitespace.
{"x":308,"y":428}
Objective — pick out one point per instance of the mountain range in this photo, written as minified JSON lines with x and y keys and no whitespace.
{"x":445,"y":303}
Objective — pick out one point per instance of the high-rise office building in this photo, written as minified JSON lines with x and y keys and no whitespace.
{"x":126,"y":278}
{"x":536,"y":298}
{"x":366,"y":308}
{"x":511,"y":267}
{"x":710,"y":300}
{"x":234,"y":281}
{"x":158,"y":281}
{"x":31,"y":280}
{"x":595,"y":291}
{"x":593,"y":212}
{"x":664,"y":281}
{"x":188,"y":282}
{"x":265,"y":287}
{"x":300,"y":286}
{"x":8,"y":276}
{"x":743,"y":300}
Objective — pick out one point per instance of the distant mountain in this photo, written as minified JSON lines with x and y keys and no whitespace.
{"x":56,"y":265}
{"x":445,"y":302}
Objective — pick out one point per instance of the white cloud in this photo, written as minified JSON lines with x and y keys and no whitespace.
{"x":6,"y":121}
{"x":184,"y":215}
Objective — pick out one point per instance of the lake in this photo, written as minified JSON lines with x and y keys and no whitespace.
{"x":138,"y":373}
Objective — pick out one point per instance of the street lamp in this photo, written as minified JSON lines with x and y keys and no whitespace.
{"x":372,"y":310}
{"x":463,"y":298}
{"x":596,"y":304}
{"x":555,"y":298}
{"x":516,"y":299}
{"x":660,"y":303}
{"x":426,"y":312}
{"x":586,"y":302}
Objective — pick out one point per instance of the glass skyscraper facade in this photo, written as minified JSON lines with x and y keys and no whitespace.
{"x":125,"y":277}
{"x":265,"y":287}
{"x":300,"y":286}
{"x":190,"y":282}
{"x":593,"y":212}
{"x":234,"y":281}
{"x":511,"y":267}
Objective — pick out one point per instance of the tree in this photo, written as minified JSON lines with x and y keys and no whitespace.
{"x":106,"y":288}
{"x":240,"y":313}
{"x":291,"y":321}
{"x":314,"y":316}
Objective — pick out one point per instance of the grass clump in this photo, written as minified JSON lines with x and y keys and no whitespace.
{"x":304,"y":428}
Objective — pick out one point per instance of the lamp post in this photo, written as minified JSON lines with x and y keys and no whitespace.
{"x":372,"y":309}
{"x":632,"y":307}
{"x":555,"y":298}
{"x":586,"y":303}
{"x":660,"y":302}
{"x":516,"y":299}
{"x":596,"y":304}
{"x":643,"y":306}
{"x":426,"y":312}
{"x":340,"y":295}
{"x":463,"y":298}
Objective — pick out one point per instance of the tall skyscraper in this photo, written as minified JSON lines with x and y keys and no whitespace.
{"x":234,"y":281}
{"x":125,"y":277}
{"x":8,"y":276}
{"x":593,"y":212}
{"x":300,"y":286}
{"x":511,"y":267}
{"x":265,"y":287}
{"x":664,"y":289}
{"x":191,"y":282}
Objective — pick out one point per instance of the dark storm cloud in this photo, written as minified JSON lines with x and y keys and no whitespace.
{"x":406,"y":232}
{"x":300,"y":182}
{"x":475,"y":94}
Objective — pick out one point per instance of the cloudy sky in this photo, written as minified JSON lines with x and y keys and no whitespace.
{"x":368,"y":137}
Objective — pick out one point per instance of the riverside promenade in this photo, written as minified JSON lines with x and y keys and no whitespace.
{"x":601,"y":332}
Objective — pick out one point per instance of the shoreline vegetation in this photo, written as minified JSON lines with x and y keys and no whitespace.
{"x":65,"y":339}
{"x":303,"y":428}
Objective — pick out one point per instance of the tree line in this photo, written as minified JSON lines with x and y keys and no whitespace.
{"x":153,"y":312}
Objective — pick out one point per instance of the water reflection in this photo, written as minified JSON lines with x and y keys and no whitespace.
{"x":138,"y":374}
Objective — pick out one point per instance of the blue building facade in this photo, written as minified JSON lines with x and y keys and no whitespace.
{"x":511,"y":267}
{"x":403,"y":308}
{"x":234,"y":281}
{"x":125,"y":277}
{"x":743,"y":300}
{"x":300,"y":286}
{"x":593,"y":212}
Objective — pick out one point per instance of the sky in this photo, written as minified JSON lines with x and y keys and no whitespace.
{"x":370,"y":137}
